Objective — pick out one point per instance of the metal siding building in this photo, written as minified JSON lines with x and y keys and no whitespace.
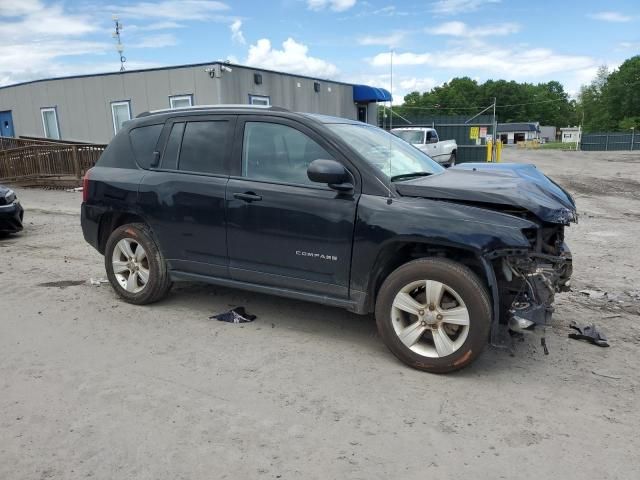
{"x":83,"y":104}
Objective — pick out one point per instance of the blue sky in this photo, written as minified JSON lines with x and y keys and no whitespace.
{"x":350,"y":40}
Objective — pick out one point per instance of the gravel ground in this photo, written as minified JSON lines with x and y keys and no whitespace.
{"x":93,"y":387}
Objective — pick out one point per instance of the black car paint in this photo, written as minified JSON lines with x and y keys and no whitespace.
{"x":11,"y":212}
{"x":497,"y":184}
{"x":306,"y":242}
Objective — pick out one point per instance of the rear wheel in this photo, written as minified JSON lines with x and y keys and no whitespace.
{"x":452,"y":159}
{"x":434,"y":315}
{"x":135,"y":266}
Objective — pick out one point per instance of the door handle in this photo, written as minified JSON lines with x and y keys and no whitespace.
{"x":247,"y":197}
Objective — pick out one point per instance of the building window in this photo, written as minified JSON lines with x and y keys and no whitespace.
{"x":50,"y":123}
{"x":121,"y":112}
{"x":181,"y":101}
{"x":259,"y":100}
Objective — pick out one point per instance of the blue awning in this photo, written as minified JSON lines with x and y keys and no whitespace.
{"x":367,"y":94}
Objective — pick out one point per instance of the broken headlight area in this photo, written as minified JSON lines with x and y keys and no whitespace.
{"x":529,"y":285}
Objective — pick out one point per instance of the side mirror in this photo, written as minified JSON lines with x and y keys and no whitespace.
{"x":328,"y":171}
{"x":433,"y":140}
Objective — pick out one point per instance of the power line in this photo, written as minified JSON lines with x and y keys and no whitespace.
{"x":476,"y":108}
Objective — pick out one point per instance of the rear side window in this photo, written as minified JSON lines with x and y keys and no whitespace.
{"x":204,"y":146}
{"x":171,"y":151}
{"x":143,"y":141}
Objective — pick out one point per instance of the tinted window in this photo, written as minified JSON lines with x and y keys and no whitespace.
{"x":170,"y":156}
{"x":278,"y":153}
{"x":143,"y":141}
{"x":203,"y":146}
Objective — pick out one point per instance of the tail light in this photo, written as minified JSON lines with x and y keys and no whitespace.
{"x":85,"y":186}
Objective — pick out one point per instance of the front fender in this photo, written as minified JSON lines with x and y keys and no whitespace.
{"x":382,"y":222}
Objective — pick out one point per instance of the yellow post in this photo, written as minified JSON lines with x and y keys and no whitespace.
{"x":499,"y":151}
{"x":489,"y":151}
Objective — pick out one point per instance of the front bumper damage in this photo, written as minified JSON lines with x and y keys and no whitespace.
{"x":537,"y":277}
{"x":526,"y":282}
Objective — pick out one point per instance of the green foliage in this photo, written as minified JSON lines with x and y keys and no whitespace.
{"x":612,"y":101}
{"x":546,"y":103}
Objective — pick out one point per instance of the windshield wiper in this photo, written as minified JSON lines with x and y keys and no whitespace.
{"x":410,"y":175}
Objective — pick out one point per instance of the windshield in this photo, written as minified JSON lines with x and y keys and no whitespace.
{"x":389,"y":154}
{"x":411,"y":136}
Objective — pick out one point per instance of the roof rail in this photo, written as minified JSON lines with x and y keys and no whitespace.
{"x":213,"y":107}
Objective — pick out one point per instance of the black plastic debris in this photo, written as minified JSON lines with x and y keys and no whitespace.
{"x":589,"y":333}
{"x":235,"y":315}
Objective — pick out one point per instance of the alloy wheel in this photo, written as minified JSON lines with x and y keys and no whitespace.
{"x":130,"y":265}
{"x":430,"y":318}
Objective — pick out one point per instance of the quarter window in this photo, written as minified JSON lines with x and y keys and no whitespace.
{"x":204,"y":146}
{"x":120,"y":112}
{"x":181,"y":101}
{"x":278,"y":153}
{"x":259,"y":100}
{"x":143,"y":141}
{"x":50,"y":123}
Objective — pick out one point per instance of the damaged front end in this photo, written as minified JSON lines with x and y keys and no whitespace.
{"x":529,"y":279}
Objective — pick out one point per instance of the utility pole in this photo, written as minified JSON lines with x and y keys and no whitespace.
{"x":119,"y":46}
{"x":494,"y":147}
{"x":633,"y":136}
{"x":391,"y":103}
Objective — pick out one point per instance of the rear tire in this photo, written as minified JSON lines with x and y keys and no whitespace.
{"x":452,"y":159}
{"x":451,"y":318}
{"x":135,"y":266}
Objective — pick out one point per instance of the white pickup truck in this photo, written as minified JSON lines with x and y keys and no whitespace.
{"x":426,"y":139}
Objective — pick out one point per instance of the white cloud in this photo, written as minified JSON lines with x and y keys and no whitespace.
{"x":391,"y":40}
{"x":37,"y":35}
{"x":335,"y":5}
{"x":236,"y":32}
{"x":418,"y":84}
{"x":461,"y":29}
{"x":456,"y":7}
{"x":407,"y":58}
{"x":292,"y":58}
{"x":154,"y":26}
{"x":512,"y":63}
{"x":615,"y":17}
{"x":172,"y":9}
{"x":154,"y":41}
{"x":629,"y":45}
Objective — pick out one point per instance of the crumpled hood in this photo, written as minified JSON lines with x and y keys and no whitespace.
{"x":500,"y":184}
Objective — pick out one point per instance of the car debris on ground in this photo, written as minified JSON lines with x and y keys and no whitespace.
{"x":590,"y":333}
{"x":235,"y":315}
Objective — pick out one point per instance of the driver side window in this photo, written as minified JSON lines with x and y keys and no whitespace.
{"x":278,"y":153}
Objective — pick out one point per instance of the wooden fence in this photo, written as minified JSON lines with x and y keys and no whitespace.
{"x":29,"y":159}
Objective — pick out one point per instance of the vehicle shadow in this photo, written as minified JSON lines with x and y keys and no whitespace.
{"x":325,"y":322}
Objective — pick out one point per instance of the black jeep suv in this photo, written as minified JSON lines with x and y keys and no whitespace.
{"x":330,"y":211}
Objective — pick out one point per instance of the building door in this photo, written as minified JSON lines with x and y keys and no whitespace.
{"x":362,"y":113}
{"x":6,"y":124}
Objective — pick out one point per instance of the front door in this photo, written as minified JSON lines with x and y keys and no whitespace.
{"x":184,"y":197}
{"x":282,"y":229}
{"x":6,"y":124}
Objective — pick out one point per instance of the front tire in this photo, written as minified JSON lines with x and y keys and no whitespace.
{"x":452,"y":159}
{"x":135,"y":266}
{"x":434,"y":315}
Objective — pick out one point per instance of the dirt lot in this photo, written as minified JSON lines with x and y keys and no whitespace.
{"x":93,"y":387}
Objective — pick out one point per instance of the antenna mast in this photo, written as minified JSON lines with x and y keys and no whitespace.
{"x":119,"y":46}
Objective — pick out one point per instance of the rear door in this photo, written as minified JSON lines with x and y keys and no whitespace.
{"x":183,"y":198}
{"x":282,"y":229}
